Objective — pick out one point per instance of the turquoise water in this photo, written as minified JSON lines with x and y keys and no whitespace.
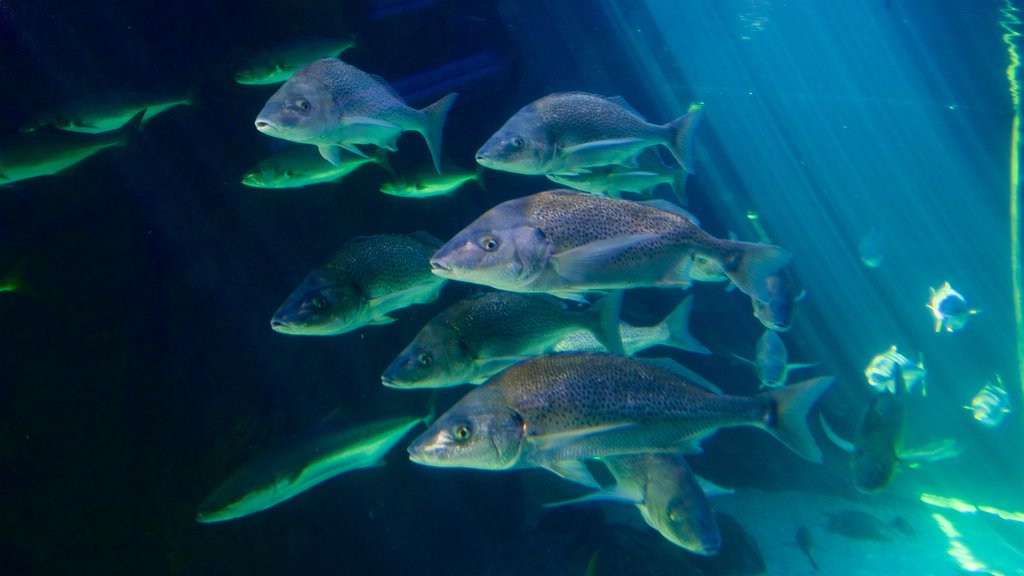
{"x":139,"y":370}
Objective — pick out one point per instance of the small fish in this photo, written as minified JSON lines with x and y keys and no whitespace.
{"x":302,"y":463}
{"x":873,"y":248}
{"x":277,"y":63}
{"x":333,"y":105}
{"x":806,"y":544}
{"x":879,"y":371}
{"x":991,"y":404}
{"x":610,"y":180}
{"x":300,"y":166}
{"x":43,"y":154}
{"x":776,"y":311}
{"x":366,"y":279}
{"x":105,"y":112}
{"x":425,"y":185}
{"x":567,"y":243}
{"x":569,"y":132}
{"x":858,"y":525}
{"x":673,"y":331}
{"x":949,"y":309}
{"x":482,"y":335}
{"x":770,"y":360}
{"x":552,"y":411}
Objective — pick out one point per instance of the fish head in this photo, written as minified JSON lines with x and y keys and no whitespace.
{"x":680,"y":511}
{"x":480,"y":431}
{"x":871,"y":469}
{"x":319,"y":308}
{"x":437,"y":357}
{"x":496,"y":250}
{"x":238,"y":496}
{"x":522,"y":146}
{"x":302,"y":110}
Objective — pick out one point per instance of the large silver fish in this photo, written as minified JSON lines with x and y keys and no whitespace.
{"x":366,"y":279}
{"x":552,"y":411}
{"x":567,"y":243}
{"x":277,"y":63}
{"x":335,"y":105}
{"x":43,"y":154}
{"x":569,"y":132}
{"x":300,"y":464}
{"x":482,"y":335}
{"x":105,"y":112}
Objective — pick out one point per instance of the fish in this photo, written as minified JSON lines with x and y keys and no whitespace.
{"x":302,"y":463}
{"x":333,"y":105}
{"x":569,"y":132}
{"x":673,"y":331}
{"x":991,"y":404}
{"x":873,"y":247}
{"x":277,"y":63}
{"x":879,"y":372}
{"x":45,"y":153}
{"x":300,"y":166}
{"x":369,"y":277}
{"x":949,"y":309}
{"x":106,"y":112}
{"x":553,"y":411}
{"x":610,"y":180}
{"x":900,"y":523}
{"x":567,"y":243}
{"x":776,"y":311}
{"x":479,"y":336}
{"x":14,"y":281}
{"x":770,"y":360}
{"x":806,"y":544}
{"x":877,"y":448}
{"x":858,"y":525}
{"x":669,"y":496}
{"x":425,"y":185}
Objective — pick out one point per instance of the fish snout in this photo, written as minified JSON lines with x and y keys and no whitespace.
{"x":440,"y":267}
{"x":279,"y":325}
{"x":266,"y":126}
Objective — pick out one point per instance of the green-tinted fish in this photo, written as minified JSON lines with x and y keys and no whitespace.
{"x":569,"y":132}
{"x":424,"y":185}
{"x":43,"y":154}
{"x":368,"y":278}
{"x":334,"y":105}
{"x":858,"y":525}
{"x":770,"y":360}
{"x":279,"y":62}
{"x":566,"y":243}
{"x":479,"y":336}
{"x":552,"y":411}
{"x":673,"y":330}
{"x":300,"y":166}
{"x":610,"y":180}
{"x":105,"y":112}
{"x":806,"y":544}
{"x":300,"y":464}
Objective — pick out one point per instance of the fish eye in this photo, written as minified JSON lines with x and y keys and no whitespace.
{"x":303,"y":104}
{"x":489,"y":243}
{"x":317,"y":302}
{"x":425,"y":359}
{"x":518,"y":142}
{"x":461,"y":432}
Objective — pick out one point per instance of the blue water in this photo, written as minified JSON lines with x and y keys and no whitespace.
{"x":137,"y":369}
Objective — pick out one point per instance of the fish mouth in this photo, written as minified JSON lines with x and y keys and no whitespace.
{"x":440,"y":267}
{"x":391,"y":383}
{"x":266,"y":126}
{"x":279,"y":325}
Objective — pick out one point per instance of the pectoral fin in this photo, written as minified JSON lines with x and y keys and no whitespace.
{"x":597,"y":152}
{"x":577,"y":263}
{"x":574,"y":471}
{"x":556,"y":440}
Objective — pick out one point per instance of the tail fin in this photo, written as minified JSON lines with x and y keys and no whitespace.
{"x":678,"y":185}
{"x":478,"y":178}
{"x":677,"y":324}
{"x":125,"y":135}
{"x":682,"y":135}
{"x":606,"y":322}
{"x":788,"y":420}
{"x":751,"y":266}
{"x":433,"y":124}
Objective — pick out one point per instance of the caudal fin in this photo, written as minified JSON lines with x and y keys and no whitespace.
{"x":433,"y":125}
{"x":606,"y":322}
{"x":750,"y":264}
{"x":788,"y":420}
{"x":683,"y":130}
{"x":677,"y":325}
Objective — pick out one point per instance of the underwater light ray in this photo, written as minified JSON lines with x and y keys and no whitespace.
{"x":1009,"y":23}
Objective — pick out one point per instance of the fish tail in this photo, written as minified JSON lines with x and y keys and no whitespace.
{"x":127,"y":134}
{"x":478,"y":178}
{"x":606,"y":322}
{"x":682,"y":132}
{"x":433,"y":124}
{"x":748,"y":265}
{"x":382,"y":158}
{"x":787,"y":420}
{"x":678,"y":185}
{"x":677,"y":323}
